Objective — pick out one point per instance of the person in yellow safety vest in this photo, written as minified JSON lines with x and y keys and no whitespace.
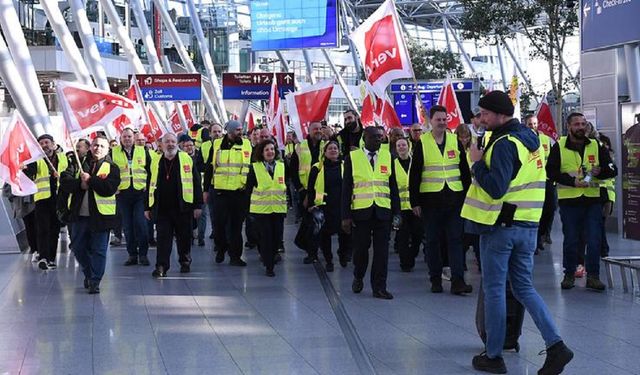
{"x":504,"y":205}
{"x":308,"y":152}
{"x":199,"y":134}
{"x":133,"y":162}
{"x":438,"y":176}
{"x":578,"y":165}
{"x":64,"y":199}
{"x":226,"y":171}
{"x":93,"y":209}
{"x":174,"y":199}
{"x":409,"y":237}
{"x":47,"y":182}
{"x":215,"y":132}
{"x":550,"y":196}
{"x":267,"y":188}
{"x":325,"y":194}
{"x":370,"y":206}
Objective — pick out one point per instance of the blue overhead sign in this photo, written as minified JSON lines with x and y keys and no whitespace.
{"x":254,"y":86}
{"x":609,"y":23}
{"x":434,"y":87}
{"x":170,"y":87}
{"x":293,"y":24}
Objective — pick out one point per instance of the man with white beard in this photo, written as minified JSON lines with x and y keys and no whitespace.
{"x":175,"y":197}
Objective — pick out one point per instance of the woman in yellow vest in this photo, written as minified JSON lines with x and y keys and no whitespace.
{"x":268,"y":205}
{"x":409,"y":236}
{"x":325,"y":192}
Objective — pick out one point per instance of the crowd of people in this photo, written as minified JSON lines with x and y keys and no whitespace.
{"x":491,"y":186}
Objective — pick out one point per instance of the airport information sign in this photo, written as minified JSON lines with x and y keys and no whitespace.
{"x":254,"y":86}
{"x":609,"y":23}
{"x":170,"y":87}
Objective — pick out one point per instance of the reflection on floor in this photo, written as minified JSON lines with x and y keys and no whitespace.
{"x":226,"y":320}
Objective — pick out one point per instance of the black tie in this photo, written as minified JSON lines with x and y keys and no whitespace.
{"x":372,"y":155}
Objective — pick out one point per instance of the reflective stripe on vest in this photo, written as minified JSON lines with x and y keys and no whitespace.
{"x":42,"y":179}
{"x":231,"y":167}
{"x":186,"y":177}
{"x":270,"y":194}
{"x":402,"y":178}
{"x":106,"y":205}
{"x":573,"y":163}
{"x":440,"y":168}
{"x":370,"y":186}
{"x":137,"y":169}
{"x":526,"y":190}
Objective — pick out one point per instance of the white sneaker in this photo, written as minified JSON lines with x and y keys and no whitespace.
{"x":42,"y":264}
{"x":52,"y":265}
{"x":446,"y":273}
{"x":34,"y":257}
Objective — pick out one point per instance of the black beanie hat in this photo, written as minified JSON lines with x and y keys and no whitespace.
{"x":45,"y":136}
{"x":498,"y":102}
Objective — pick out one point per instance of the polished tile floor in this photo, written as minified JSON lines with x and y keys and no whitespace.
{"x":225,"y":320}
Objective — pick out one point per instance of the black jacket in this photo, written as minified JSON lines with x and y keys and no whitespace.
{"x":295,"y":163}
{"x":182,"y":205}
{"x":348,"y":139}
{"x":104,"y":186}
{"x":373,"y":211}
{"x":333,"y":190}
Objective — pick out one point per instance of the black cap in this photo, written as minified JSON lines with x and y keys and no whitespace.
{"x":498,"y":102}
{"x":185,"y":138}
{"x":45,"y":136}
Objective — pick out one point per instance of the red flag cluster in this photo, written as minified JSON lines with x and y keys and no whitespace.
{"x":449,"y":100}
{"x":545,"y":120}
{"x":379,"y":111}
{"x":309,"y":105}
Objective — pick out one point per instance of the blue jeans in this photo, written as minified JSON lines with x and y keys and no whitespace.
{"x":448,"y":221}
{"x":134,"y":224}
{"x":509,"y":252}
{"x":577,"y":220}
{"x":90,"y":249}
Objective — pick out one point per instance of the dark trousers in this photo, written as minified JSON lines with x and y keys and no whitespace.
{"x":269,"y":229}
{"x":408,"y":239}
{"x":444,"y":222}
{"x":548,"y":210}
{"x":363,"y":232}
{"x":323,"y":242}
{"x":170,"y":225}
{"x":577,"y":220}
{"x":48,"y":228}
{"x":30,"y":225}
{"x":90,"y":248}
{"x":229,"y":211}
{"x":250,"y":231}
{"x":134,"y":223}
{"x":210,"y":204}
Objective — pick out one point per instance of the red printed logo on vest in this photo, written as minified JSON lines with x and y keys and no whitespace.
{"x":592,"y":159}
{"x":451,"y":154}
{"x":546,"y":147}
{"x":281,"y":180}
{"x":187,"y":168}
{"x":383,"y":169}
{"x":246,"y":154}
{"x":539,"y":163}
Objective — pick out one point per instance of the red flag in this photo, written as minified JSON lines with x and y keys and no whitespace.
{"x":174,"y":122}
{"x":86,"y":108}
{"x":422,"y":116}
{"x":387,"y":114}
{"x":18,"y":147}
{"x":188,"y":115}
{"x":274,"y":103}
{"x":251,"y":123}
{"x":545,"y":120}
{"x":449,"y":100}
{"x":123,"y":121}
{"x":368,"y":110}
{"x":153,"y":130}
{"x":381,"y":48}
{"x":309,"y":105}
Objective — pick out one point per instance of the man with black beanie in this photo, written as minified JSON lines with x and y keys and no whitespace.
{"x":504,"y":206}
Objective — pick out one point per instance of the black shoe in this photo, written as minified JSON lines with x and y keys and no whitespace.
{"x":281,"y":248}
{"x":568,"y":282}
{"x":249,"y":245}
{"x":153,"y":243}
{"x":86,"y":283}
{"x":459,"y":287}
{"x":159,"y":272}
{"x":436,"y":285}
{"x":310,"y":259}
{"x":344,"y":262}
{"x":558,"y":355}
{"x":42,"y":264}
{"x":94,"y":288}
{"x":144,"y":261}
{"x":594,"y":283}
{"x":357,"y":285}
{"x":277,"y":259}
{"x":200,"y":243}
{"x":237,"y":262}
{"x":492,"y":365}
{"x":270,"y":273}
{"x":185,"y":268}
{"x":406,"y":269}
{"x":382,"y":294}
{"x":131,"y":261}
{"x":219,"y":256}
{"x":329,"y":267}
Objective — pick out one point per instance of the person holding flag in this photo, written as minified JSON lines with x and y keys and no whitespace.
{"x":93,"y":209}
{"x":438,"y":177}
{"x":133,"y":162}
{"x":46,"y":175}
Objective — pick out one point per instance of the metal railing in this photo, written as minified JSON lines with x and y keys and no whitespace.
{"x":629,"y":272}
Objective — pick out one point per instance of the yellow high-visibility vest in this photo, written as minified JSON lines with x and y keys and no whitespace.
{"x":440,"y":168}
{"x":304,"y":161}
{"x":205,"y":149}
{"x":270,"y":196}
{"x":231,"y":167}
{"x":186,"y":177}
{"x":370,"y":185}
{"x":106,"y":205}
{"x":573,"y":163}
{"x":196,"y":135}
{"x":319,"y":185}
{"x":526,"y":190}
{"x":402,"y":178}
{"x":545,"y":142}
{"x":135,"y":171}
{"x":42,"y":176}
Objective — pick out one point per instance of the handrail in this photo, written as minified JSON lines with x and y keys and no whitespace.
{"x":624,"y":263}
